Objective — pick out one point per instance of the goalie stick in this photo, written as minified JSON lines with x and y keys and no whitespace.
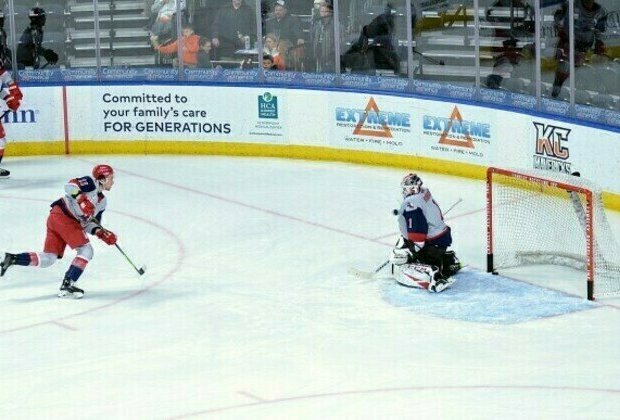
{"x":140,"y":270}
{"x":371,"y":274}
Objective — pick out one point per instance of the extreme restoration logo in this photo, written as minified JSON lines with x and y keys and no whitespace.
{"x":552,"y":151}
{"x":372,"y":123}
{"x":456,"y":131}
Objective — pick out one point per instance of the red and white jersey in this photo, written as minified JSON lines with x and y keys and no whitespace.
{"x":82,"y":186}
{"x":420,"y":218}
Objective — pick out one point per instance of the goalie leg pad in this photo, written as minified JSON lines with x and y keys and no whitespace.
{"x":420,"y":276}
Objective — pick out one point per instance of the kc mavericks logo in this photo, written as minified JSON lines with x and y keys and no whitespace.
{"x":552,"y":148}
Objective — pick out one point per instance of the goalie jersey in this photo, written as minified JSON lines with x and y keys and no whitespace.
{"x":420,"y":218}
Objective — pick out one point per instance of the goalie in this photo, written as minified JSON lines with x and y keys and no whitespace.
{"x":420,"y":258}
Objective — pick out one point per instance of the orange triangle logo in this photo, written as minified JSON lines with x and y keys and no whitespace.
{"x":359,"y":128}
{"x":444,"y":139}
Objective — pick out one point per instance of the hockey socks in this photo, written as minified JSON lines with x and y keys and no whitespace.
{"x":25,"y":259}
{"x":76,"y":269}
{"x":68,"y":288}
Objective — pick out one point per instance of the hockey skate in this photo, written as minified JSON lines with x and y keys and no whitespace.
{"x":68,"y":289}
{"x":9,"y":260}
{"x":450,"y":265}
{"x":4,"y":173}
{"x":439,"y":284}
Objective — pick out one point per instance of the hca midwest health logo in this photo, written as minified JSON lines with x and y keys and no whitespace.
{"x":552,"y":151}
{"x":456,"y":131}
{"x":268,"y":106}
{"x":372,"y":121}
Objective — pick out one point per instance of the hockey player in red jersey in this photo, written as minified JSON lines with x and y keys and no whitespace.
{"x":71,"y":217}
{"x":12,"y":96}
{"x":420,"y":258}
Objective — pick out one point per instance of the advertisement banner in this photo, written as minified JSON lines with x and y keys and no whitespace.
{"x":457,"y":132}
{"x":566,"y":148}
{"x":378,"y":123}
{"x":39,"y":118}
{"x":176,"y":113}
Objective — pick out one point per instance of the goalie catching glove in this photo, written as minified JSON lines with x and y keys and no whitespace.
{"x":401,"y":254}
{"x":106,"y":236}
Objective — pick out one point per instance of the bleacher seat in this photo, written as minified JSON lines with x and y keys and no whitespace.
{"x":512,"y":84}
{"x":583,"y":97}
{"x":603,"y":100}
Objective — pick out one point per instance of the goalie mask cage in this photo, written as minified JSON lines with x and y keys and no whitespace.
{"x":538,"y":217}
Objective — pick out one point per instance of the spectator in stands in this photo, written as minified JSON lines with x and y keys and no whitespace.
{"x":231,"y":25}
{"x":247,"y":64}
{"x":270,"y":44}
{"x":30,"y":47}
{"x":5,"y":52}
{"x":164,"y":26}
{"x":376,"y":46}
{"x":504,"y":64}
{"x":282,"y":59}
{"x":284,"y":26}
{"x":190,"y":45}
{"x":590,"y":23}
{"x":268,"y":63}
{"x":204,"y":54}
{"x":322,"y":39}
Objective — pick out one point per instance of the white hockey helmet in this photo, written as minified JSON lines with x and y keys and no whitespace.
{"x":411,"y":184}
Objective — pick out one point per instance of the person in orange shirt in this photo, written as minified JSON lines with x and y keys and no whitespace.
{"x":190,"y":45}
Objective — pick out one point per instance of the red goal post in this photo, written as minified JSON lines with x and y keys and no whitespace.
{"x":539,"y":217}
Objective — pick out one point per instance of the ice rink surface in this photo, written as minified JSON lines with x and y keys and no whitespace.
{"x":247,"y":310}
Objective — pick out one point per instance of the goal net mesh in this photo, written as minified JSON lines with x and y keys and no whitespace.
{"x":536,"y":221}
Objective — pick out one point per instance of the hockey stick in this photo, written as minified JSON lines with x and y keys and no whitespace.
{"x":371,"y":274}
{"x":140,"y":270}
{"x":368,"y":274}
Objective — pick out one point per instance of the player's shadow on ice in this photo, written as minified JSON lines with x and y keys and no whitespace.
{"x":148,"y":296}
{"x":15,"y":183}
{"x":33,"y":299}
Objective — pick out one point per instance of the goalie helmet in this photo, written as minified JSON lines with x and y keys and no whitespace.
{"x":411,"y":184}
{"x":102,"y":171}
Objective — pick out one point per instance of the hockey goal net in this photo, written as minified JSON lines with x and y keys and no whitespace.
{"x":537,"y":217}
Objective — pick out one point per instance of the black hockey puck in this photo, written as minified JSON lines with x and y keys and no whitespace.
{"x":395,"y":212}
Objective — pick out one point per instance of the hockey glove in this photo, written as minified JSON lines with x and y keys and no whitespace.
{"x":12,"y":102}
{"x":15,"y":91}
{"x":401,"y":256}
{"x":87,"y":207}
{"x":106,"y":236}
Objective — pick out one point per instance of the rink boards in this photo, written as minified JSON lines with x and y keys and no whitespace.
{"x":424,"y":134}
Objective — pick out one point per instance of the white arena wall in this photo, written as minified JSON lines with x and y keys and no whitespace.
{"x":418,"y":134}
